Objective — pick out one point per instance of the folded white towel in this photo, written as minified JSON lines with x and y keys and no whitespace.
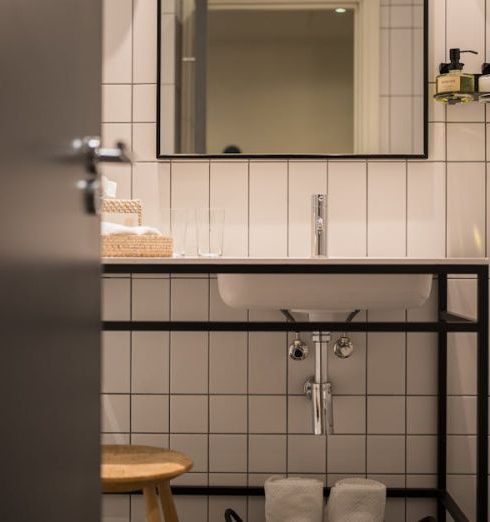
{"x":110,"y":229}
{"x":356,"y":500}
{"x":109,"y":188}
{"x":293,"y":499}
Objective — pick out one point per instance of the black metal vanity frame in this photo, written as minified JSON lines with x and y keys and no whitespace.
{"x":447,"y":322}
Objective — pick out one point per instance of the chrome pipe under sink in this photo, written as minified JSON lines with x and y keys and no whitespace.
{"x":318,"y":390}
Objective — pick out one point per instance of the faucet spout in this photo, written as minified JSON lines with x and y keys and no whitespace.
{"x":318,"y":225}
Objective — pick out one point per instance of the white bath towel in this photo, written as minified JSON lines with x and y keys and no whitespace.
{"x":356,"y":500}
{"x":110,"y":229}
{"x":293,"y":499}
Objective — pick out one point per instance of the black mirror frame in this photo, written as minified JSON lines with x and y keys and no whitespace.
{"x":162,"y":156}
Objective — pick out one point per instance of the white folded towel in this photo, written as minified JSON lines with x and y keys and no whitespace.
{"x":110,"y":229}
{"x":356,"y":500}
{"x":293,"y":499}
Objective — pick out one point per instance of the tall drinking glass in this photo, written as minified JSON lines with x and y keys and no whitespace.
{"x":210,"y":228}
{"x":179,"y":224}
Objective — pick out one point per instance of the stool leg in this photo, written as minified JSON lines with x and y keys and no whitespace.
{"x":167,"y":500}
{"x":151,"y":503}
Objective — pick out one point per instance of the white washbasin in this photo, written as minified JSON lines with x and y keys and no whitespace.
{"x":314,"y":293}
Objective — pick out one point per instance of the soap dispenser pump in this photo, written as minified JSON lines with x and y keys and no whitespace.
{"x":452,"y":84}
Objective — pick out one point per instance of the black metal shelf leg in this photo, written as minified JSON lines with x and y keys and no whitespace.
{"x":442,"y":401}
{"x":482,"y":401}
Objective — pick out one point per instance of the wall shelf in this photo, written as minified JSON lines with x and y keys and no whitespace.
{"x":480,"y":97}
{"x":461,"y":97}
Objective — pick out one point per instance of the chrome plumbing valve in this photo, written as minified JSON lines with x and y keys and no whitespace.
{"x":343,"y":347}
{"x":298,"y":350}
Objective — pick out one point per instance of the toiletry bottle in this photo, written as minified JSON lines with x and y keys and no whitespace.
{"x":453,"y":85}
{"x":484,"y":83}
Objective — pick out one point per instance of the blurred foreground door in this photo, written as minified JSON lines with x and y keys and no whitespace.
{"x":50,"y":54}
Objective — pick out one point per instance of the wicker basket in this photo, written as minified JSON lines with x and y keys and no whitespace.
{"x":132,"y":245}
{"x":123,"y":206}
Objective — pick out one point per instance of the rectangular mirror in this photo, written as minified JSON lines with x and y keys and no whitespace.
{"x":292,"y":78}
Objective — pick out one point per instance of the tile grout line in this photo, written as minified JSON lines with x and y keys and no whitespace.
{"x":346,"y":395}
{"x":286,"y":334}
{"x":170,"y":292}
{"x":248,"y":208}
{"x":327,"y":188}
{"x":353,"y":160}
{"x":414,"y":87}
{"x":389,"y":80}
{"x":445,"y":135}
{"x":131,"y":94}
{"x":366,"y":177}
{"x":131,"y":362}
{"x":300,"y":434}
{"x":406,"y":411}
{"x":406,"y":208}
{"x":485,"y":36}
{"x":170,"y":286}
{"x":208,"y":349}
{"x":248,"y":346}
{"x":248,"y":402}
{"x":209,"y":370}
{"x":405,"y":334}
{"x":366,"y":336}
{"x":287,"y":209}
{"x":131,"y":276}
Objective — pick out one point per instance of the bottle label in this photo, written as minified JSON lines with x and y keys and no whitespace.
{"x":448,"y":83}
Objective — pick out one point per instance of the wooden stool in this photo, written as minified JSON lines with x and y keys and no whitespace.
{"x":134,"y":468}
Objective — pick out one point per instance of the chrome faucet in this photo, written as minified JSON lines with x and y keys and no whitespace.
{"x":318,"y":225}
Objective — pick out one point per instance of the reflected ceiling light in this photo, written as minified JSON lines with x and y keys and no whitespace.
{"x":340,"y":10}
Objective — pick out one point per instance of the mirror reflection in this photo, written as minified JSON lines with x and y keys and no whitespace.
{"x":292,"y":77}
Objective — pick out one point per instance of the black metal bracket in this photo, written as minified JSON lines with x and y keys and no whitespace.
{"x":276,"y":326}
{"x":447,"y":322}
{"x":251,"y":491}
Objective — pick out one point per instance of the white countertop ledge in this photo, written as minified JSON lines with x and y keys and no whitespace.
{"x":293,"y":261}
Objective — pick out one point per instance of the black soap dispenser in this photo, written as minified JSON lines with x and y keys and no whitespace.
{"x":453,"y":85}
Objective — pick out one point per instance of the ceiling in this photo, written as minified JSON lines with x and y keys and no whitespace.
{"x":249,"y":25}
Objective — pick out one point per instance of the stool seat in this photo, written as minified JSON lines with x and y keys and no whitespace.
{"x":130,"y":468}
{"x":126,"y":469}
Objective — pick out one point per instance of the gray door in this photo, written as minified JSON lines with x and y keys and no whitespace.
{"x":49,"y":270}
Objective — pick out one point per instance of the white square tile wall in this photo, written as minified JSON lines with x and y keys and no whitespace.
{"x":249,"y":417}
